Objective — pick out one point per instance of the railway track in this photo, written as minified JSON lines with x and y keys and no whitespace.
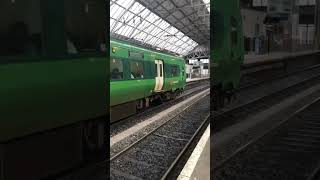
{"x":97,"y":170}
{"x":130,"y":121}
{"x":192,"y":84}
{"x":249,"y":83}
{"x":271,"y":70}
{"x":242,"y":110}
{"x":157,"y":153}
{"x":289,"y":150}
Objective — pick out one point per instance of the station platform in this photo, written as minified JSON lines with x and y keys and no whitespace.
{"x":196,"y":79}
{"x":198,"y":165}
{"x":274,"y":56}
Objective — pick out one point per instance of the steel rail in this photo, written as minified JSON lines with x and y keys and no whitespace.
{"x":247,"y":86}
{"x":158,"y":127}
{"x":182,"y":153}
{"x":267,"y":132}
{"x":222,"y":113}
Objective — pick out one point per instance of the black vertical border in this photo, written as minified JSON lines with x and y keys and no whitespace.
{"x":107,"y":25}
{"x":211,"y":47}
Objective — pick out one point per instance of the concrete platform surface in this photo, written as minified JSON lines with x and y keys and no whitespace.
{"x":252,"y":58}
{"x":198,"y":165}
{"x":196,"y":79}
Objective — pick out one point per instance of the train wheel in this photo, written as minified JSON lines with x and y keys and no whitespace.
{"x":166,"y":97}
{"x":140,"y":105}
{"x":174,"y":95}
{"x":147,"y":102}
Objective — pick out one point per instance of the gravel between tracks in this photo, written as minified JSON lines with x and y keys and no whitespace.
{"x":231,"y":138}
{"x":117,"y":147}
{"x":290,"y":152}
{"x":269,"y":87}
{"x":223,"y":148}
{"x":150,"y":158}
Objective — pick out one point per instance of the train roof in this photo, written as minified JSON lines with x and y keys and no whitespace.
{"x":146,"y":50}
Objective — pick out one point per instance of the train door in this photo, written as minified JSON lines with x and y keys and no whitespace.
{"x":159,"y":75}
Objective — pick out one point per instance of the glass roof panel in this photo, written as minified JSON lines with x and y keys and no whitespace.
{"x":152,"y":17}
{"x":114,"y":9}
{"x":160,"y":43}
{"x":144,"y":13}
{"x":207,"y":2}
{"x":156,"y":31}
{"x":125,"y":3}
{"x":112,"y":22}
{"x":131,"y":19}
{"x":163,"y":24}
{"x":116,"y":14}
{"x":117,"y":25}
{"x":140,"y":36}
{"x":179,"y":43}
{"x":137,"y":8}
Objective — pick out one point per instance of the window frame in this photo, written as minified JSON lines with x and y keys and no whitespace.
{"x":130,"y":72}
{"x":12,"y":59}
{"x":123,"y":70}
{"x":44,"y":56}
{"x":177,"y":73}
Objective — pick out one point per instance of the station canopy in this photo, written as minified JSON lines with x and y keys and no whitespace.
{"x":177,"y":26}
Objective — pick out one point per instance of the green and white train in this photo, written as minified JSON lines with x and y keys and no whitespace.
{"x":227,"y":50}
{"x":139,"y":76}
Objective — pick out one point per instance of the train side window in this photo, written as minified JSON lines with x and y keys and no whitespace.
{"x":85,"y":26}
{"x":116,"y":69}
{"x":156,"y":70}
{"x":137,"y":70}
{"x":174,"y":71}
{"x":20,"y":28}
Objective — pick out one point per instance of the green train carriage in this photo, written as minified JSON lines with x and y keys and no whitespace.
{"x":139,"y":76}
{"x":227,"y":50}
{"x":53,"y":86}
